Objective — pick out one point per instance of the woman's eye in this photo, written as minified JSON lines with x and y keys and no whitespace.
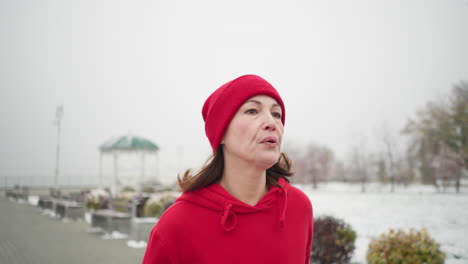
{"x":251,"y":111}
{"x":276,"y":115}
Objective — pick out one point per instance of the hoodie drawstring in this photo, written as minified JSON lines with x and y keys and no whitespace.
{"x":285,"y":206}
{"x":225,"y":218}
{"x":228,"y":217}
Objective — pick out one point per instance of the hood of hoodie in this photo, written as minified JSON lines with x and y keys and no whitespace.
{"x":216,"y":198}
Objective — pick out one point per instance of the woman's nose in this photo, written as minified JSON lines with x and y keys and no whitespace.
{"x":269,"y":123}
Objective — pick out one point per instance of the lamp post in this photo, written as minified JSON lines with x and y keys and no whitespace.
{"x":57,"y":122}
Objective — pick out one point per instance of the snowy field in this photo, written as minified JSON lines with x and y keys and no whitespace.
{"x":445,"y":215}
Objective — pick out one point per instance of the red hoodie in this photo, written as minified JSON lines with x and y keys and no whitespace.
{"x":209,"y":225}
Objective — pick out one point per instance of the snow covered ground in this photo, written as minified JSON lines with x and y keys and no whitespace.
{"x":445,"y":215}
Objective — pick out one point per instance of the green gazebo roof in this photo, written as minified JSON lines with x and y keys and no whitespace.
{"x":128,"y":143}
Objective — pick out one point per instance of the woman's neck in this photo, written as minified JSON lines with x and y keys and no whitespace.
{"x":246,"y":183}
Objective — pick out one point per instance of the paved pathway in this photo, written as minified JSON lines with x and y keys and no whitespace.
{"x":29,"y":237}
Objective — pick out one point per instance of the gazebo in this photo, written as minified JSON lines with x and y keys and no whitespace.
{"x":127,"y":144}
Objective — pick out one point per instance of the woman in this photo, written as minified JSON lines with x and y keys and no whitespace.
{"x":240,"y":207}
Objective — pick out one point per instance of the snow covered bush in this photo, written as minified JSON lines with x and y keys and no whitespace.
{"x":333,"y":241}
{"x":97,"y":199}
{"x":153,"y":208}
{"x":123,"y":201}
{"x":168,"y":197}
{"x":399,"y":246}
{"x":121,"y":205}
{"x":167,"y":200}
{"x":126,"y":195}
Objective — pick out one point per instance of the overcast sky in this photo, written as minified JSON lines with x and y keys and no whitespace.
{"x":343,"y":68}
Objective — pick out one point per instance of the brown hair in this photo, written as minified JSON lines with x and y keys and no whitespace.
{"x":212,"y":171}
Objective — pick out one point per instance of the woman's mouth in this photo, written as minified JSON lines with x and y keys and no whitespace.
{"x":269,"y":141}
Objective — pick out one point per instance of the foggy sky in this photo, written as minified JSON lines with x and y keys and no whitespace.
{"x":343,"y":68}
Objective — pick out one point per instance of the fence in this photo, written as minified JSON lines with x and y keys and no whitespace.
{"x":41,"y":181}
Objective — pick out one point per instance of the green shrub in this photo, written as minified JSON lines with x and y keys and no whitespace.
{"x":121,"y":205}
{"x":97,"y":199}
{"x":127,"y":189}
{"x":148,"y":189}
{"x":333,"y":241}
{"x":93,"y":204}
{"x":152,"y":209}
{"x":397,"y":247}
{"x":96,"y":203}
{"x":167,"y":198}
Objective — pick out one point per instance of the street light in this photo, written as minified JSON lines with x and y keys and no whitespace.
{"x":57,"y":122}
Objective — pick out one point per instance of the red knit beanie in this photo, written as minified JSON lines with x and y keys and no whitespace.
{"x":222,"y":104}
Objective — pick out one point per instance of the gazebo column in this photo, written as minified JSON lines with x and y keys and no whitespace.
{"x":157,"y":166}
{"x":115,"y":187}
{"x":142,"y":177}
{"x":100,"y":171}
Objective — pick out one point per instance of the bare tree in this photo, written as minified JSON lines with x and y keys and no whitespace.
{"x":295,"y":153}
{"x":442,"y":129}
{"x":359,"y":163}
{"x":337,"y":171}
{"x":423,"y":146}
{"x":318,"y":162}
{"x":358,"y":167}
{"x":390,"y":154}
{"x":447,"y":168}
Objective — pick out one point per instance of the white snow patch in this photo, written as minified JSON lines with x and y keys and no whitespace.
{"x":136,"y":244}
{"x":114,"y":235}
{"x":33,"y":200}
{"x":378,"y":210}
{"x":87,"y":217}
{"x":98,"y":192}
{"x":19,"y":201}
{"x":94,"y":230}
{"x":50,"y":213}
{"x":144,"y":220}
{"x":375,"y":187}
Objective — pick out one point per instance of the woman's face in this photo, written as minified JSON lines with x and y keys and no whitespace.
{"x":255,"y":133}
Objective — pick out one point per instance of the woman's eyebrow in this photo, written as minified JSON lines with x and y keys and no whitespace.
{"x":253,"y":101}
{"x":260,"y":103}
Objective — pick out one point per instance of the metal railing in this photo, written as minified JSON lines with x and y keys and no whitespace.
{"x":47,"y":181}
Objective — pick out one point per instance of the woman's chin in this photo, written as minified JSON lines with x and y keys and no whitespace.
{"x":267,"y":161}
